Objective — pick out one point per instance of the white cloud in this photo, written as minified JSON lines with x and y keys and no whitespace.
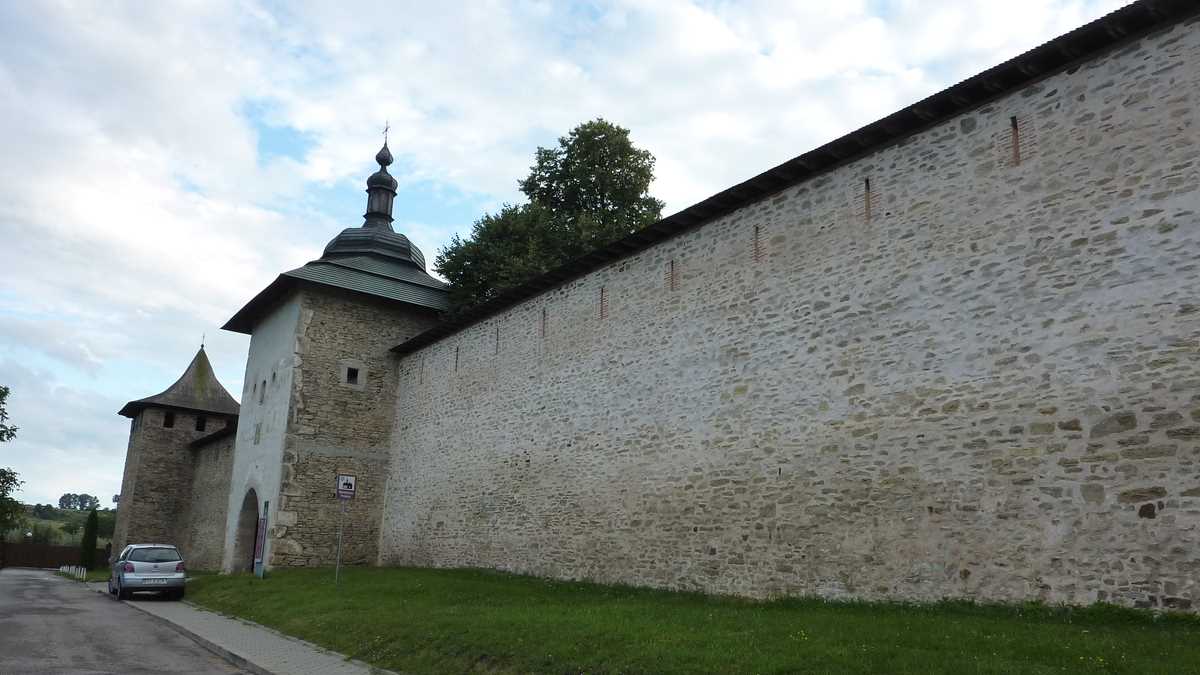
{"x":137,"y":213}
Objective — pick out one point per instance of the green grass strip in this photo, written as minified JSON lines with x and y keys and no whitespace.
{"x":454,"y":621}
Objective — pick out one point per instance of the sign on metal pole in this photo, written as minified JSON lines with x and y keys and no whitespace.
{"x":346,"y":485}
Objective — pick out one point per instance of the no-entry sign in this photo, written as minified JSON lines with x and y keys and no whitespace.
{"x":346,"y":484}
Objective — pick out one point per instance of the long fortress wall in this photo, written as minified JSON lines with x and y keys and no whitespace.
{"x":976,"y":376}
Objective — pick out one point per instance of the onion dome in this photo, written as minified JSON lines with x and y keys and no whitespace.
{"x":372,"y":259}
{"x":381,"y":192}
{"x":381,"y":178}
{"x":374,"y":241}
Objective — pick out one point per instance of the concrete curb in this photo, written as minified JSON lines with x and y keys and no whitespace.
{"x":231,"y":657}
{"x":211,"y":646}
{"x":203,"y":642}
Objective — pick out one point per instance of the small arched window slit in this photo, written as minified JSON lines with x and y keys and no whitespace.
{"x":867,"y":200}
{"x":1016,"y":140}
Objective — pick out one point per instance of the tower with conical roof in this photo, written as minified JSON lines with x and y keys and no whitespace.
{"x":320,"y":389}
{"x":175,"y":437}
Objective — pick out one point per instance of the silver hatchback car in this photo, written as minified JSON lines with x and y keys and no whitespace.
{"x":147,"y":567}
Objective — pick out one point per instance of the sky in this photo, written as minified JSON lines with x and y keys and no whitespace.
{"x":162,"y":162}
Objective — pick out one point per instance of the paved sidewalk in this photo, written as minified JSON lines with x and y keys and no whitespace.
{"x":251,"y":646}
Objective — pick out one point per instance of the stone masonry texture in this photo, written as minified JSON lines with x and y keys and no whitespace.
{"x":339,"y":427}
{"x":978,"y":378}
{"x":203,"y":525}
{"x":168,"y":489}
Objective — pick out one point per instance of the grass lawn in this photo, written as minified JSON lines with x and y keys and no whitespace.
{"x":454,"y":621}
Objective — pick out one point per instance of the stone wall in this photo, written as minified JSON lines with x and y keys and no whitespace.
{"x":981,"y":379}
{"x":338,"y":425}
{"x":203,"y":539}
{"x":156,"y":490}
{"x":133,"y":455}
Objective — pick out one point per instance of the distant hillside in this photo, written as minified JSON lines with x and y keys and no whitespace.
{"x":45,"y":523}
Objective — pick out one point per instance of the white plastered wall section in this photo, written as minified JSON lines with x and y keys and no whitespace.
{"x":264,"y":416}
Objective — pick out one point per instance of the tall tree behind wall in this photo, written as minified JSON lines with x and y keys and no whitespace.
{"x":7,"y":431}
{"x":87,"y":554}
{"x":592,"y":189}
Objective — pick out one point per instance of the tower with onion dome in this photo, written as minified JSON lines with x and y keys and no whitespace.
{"x":319,"y":390}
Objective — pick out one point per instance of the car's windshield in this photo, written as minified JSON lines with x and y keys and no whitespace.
{"x":154,"y":555}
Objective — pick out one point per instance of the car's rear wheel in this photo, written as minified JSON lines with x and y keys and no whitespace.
{"x":122,"y":594}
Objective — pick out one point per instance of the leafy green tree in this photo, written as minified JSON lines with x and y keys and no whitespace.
{"x":86,"y":502}
{"x":590,"y":190}
{"x":12,"y":513}
{"x":596,"y":184}
{"x":504,"y":249}
{"x":7,"y":431}
{"x":87,"y":554}
{"x":68,"y":500}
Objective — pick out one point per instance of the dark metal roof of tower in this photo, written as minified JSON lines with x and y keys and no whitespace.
{"x":197,"y":389}
{"x":372,"y":259}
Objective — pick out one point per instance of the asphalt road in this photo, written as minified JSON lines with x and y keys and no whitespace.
{"x":49,"y":624}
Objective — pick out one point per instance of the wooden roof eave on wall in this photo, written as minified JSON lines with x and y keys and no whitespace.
{"x":1119,"y":27}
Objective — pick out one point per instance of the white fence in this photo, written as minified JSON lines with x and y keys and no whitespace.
{"x":74,"y":571}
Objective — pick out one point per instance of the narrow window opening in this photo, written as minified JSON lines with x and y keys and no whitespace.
{"x":603,"y":303}
{"x":867,"y":199}
{"x":672,"y":276}
{"x":497,"y":350}
{"x":272,"y":379}
{"x":543,"y":323}
{"x":201,"y":422}
{"x":257,"y":433}
{"x":1016,"y":140}
{"x":757,"y":252}
{"x":421,"y":371}
{"x":352,"y":376}
{"x":456,"y":359}
{"x":262,"y":392}
{"x":168,"y":420}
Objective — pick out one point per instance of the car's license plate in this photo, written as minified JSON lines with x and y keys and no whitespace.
{"x":155,"y":581}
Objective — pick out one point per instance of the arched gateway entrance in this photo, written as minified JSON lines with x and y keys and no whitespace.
{"x":247,"y":533}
